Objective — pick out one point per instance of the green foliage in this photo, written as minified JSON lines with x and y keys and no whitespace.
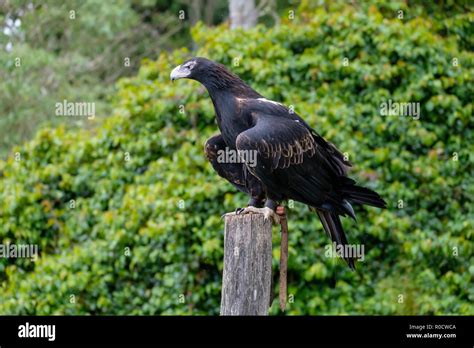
{"x":73,"y":50}
{"x":145,"y":234}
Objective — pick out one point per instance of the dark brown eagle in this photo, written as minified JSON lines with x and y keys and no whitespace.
{"x":290,"y":160}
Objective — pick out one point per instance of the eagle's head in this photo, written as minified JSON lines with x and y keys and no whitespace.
{"x":196,"y":68}
{"x":214,"y":76}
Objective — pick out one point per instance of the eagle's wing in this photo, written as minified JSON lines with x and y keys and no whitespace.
{"x":283,"y":143}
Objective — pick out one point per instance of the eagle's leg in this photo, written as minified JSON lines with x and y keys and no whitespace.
{"x":270,"y":203}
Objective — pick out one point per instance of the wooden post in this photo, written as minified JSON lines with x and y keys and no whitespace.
{"x":246,"y":282}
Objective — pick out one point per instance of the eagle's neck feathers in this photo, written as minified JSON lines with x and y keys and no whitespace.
{"x":219,"y":80}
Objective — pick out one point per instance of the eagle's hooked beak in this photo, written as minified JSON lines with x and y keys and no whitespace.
{"x":179,"y":73}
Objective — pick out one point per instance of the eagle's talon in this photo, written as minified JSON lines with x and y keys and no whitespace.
{"x":268,"y":213}
{"x":237,"y":211}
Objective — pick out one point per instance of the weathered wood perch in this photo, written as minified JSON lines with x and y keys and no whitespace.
{"x":246,"y":283}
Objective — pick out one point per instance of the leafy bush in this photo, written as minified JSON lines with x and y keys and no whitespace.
{"x":127,"y":214}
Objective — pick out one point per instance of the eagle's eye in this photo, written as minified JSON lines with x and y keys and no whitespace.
{"x":189,"y":65}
